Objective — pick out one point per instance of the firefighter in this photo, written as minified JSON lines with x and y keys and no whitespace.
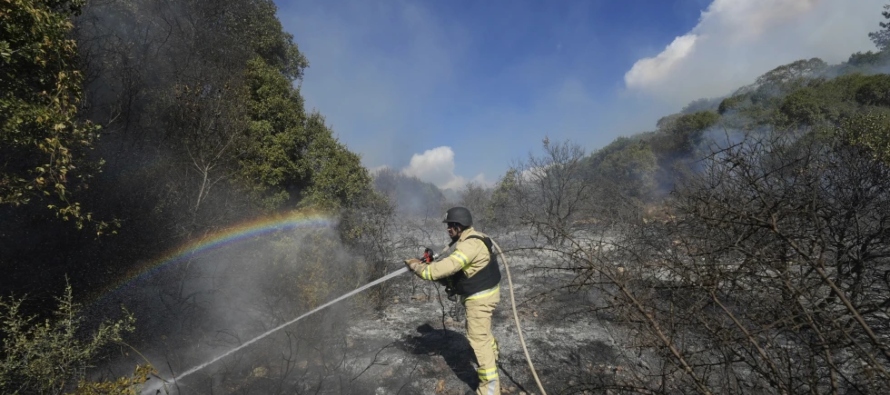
{"x":471,"y":272}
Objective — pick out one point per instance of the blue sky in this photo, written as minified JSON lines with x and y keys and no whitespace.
{"x":458,"y":91}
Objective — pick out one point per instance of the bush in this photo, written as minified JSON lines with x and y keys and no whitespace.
{"x":47,"y":357}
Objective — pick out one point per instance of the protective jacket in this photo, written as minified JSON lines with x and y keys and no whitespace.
{"x":485,"y":278}
{"x":470,"y":269}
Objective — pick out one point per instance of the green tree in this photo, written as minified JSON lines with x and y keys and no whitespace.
{"x":864,"y":62}
{"x":42,"y":141}
{"x":628,"y":165}
{"x":271,"y":160}
{"x":732,"y":103}
{"x":679,"y":136}
{"x":205,"y":93}
{"x":503,"y":209}
{"x":831,"y":101}
{"x":881,"y":38}
{"x":762,"y":96}
{"x":337,"y":175}
{"x":874,"y":91}
{"x":290,"y":156}
{"x":871,"y":130}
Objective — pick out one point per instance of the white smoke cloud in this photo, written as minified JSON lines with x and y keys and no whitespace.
{"x":436,"y":166}
{"x":737,"y":40}
{"x":649,"y":71}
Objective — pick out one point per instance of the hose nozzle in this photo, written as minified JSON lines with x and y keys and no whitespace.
{"x":428,"y":256}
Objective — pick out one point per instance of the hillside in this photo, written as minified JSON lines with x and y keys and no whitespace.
{"x":159,"y":157}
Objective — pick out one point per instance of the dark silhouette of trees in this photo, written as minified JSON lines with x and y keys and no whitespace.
{"x":769,"y":273}
{"x":549,"y":192}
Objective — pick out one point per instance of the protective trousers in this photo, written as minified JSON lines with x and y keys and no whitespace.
{"x":479,"y":310}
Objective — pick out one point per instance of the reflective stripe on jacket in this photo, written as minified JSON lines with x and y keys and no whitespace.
{"x":471,"y":255}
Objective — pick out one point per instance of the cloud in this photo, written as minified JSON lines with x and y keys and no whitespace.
{"x":437,"y":167}
{"x":737,"y":40}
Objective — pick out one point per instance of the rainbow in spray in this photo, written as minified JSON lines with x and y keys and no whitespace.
{"x":232,"y":235}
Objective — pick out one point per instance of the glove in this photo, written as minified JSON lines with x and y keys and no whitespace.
{"x":413,"y":264}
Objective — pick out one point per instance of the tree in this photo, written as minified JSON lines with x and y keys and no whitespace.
{"x":502,"y":205}
{"x":872,"y":131}
{"x":550,"y":191}
{"x":478,"y":200}
{"x":628,"y":165}
{"x":337,"y":177}
{"x":791,"y":73}
{"x":677,"y":144}
{"x":679,"y":137}
{"x":367,"y":227}
{"x":409,"y":195}
{"x":864,"y":62}
{"x":831,"y":101}
{"x":774,"y":84}
{"x":43,"y":143}
{"x":203,"y":126}
{"x":768,"y":277}
{"x":881,"y":38}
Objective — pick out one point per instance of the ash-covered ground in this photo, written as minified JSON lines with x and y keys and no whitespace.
{"x":417,"y":343}
{"x":400,"y":337}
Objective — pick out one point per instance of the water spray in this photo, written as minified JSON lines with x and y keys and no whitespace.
{"x":428,"y":256}
{"x":182,"y":375}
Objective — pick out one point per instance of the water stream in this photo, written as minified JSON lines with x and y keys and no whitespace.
{"x":279,"y":327}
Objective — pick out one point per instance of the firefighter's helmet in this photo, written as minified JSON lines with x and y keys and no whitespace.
{"x":459,"y":215}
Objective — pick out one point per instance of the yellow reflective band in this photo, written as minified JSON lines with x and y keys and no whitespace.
{"x":426,"y":273}
{"x":461,"y":258}
{"x":482,"y":294}
{"x":487,"y":374}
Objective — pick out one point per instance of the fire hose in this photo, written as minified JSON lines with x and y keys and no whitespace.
{"x":516,"y":319}
{"x":429,"y":256}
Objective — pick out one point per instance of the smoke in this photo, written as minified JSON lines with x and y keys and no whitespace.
{"x":410,"y":195}
{"x":198,"y":309}
{"x":735,"y":41}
